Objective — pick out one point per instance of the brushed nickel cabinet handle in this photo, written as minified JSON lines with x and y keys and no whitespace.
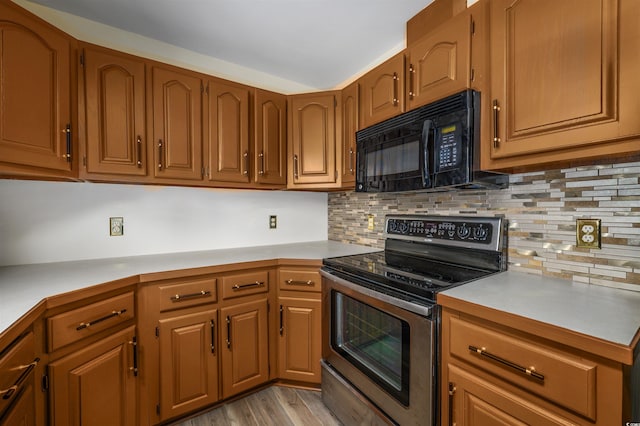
{"x":528,"y":371}
{"x":179,"y":297}
{"x":88,"y":324}
{"x":246,"y":286}
{"x":228,"y":332}
{"x":139,"y":151}
{"x":67,"y":132}
{"x":299,"y":282}
{"x":246,"y":163}
{"x":295,"y":167}
{"x":496,"y":134}
{"x":10,"y":391}
{"x":281,"y":319}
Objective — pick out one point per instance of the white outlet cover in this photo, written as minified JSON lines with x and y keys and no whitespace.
{"x":116,"y":226}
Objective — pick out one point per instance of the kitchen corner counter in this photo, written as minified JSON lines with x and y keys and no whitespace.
{"x":24,"y":286}
{"x":589,"y":314}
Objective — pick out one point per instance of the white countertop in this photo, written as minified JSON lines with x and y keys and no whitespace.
{"x":606,"y":313}
{"x":23,"y":287}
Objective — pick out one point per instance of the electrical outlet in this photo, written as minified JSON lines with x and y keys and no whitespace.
{"x":588,"y":233}
{"x":370,"y":222}
{"x":116,"y":226}
{"x":273,"y":221}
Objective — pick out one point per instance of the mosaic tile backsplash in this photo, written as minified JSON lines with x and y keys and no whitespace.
{"x":542,"y":208}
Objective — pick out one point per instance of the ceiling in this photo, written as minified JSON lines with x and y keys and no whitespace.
{"x":316,"y":43}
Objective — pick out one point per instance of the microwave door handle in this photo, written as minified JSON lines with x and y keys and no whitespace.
{"x":426,"y":136}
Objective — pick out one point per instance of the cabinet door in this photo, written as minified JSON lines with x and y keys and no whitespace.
{"x":312,"y":155}
{"x":96,"y":385}
{"x":471,"y":401}
{"x":115,"y":113}
{"x":383,"y":91}
{"x":188,"y":362}
{"x":228,"y":138}
{"x":350,"y":123}
{"x":177,"y":124}
{"x":35,"y":93}
{"x":270,"y":154}
{"x":439,"y":64}
{"x":245,"y":350}
{"x":572,"y":85}
{"x":299,"y":346}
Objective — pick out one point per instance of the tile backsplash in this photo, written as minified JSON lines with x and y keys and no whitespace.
{"x":542,"y":208}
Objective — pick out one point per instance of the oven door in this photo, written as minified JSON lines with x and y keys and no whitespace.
{"x":383,"y":350}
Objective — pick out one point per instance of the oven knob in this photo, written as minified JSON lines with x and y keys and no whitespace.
{"x":404,"y":227}
{"x":392,"y":226}
{"x":480,"y":233}
{"x":464,"y":231}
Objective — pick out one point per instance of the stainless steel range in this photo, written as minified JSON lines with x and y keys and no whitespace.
{"x":381,"y":320}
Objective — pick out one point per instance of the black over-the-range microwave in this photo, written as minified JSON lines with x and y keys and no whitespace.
{"x":433,"y":147}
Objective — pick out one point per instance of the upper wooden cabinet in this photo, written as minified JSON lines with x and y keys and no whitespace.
{"x":382,"y":91}
{"x":440,"y":63}
{"x":564,"y":80}
{"x":228,"y":132}
{"x":36,"y":129}
{"x":270,"y":138}
{"x":176,"y":102}
{"x":350,"y":123}
{"x":114,"y":113}
{"x":313,"y":125}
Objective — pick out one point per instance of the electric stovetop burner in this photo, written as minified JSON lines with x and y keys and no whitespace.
{"x":427,"y":254}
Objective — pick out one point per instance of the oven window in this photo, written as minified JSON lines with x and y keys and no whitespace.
{"x":374,"y":341}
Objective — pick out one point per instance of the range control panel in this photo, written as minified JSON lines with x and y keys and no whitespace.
{"x":444,"y":229}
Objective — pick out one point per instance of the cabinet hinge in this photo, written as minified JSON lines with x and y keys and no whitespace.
{"x":158,"y":409}
{"x":45,"y":383}
{"x":84,"y":161}
{"x":82,"y":59}
{"x":473,"y":74}
{"x":473,"y":27}
{"x":157,"y":332}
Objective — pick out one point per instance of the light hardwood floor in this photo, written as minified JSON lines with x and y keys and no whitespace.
{"x":275,"y":405}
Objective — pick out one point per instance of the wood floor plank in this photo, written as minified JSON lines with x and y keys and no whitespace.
{"x":272,"y":406}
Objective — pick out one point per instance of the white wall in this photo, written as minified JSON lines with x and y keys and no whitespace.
{"x":59,"y":221}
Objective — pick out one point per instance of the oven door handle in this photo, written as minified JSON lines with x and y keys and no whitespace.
{"x":385,"y":298}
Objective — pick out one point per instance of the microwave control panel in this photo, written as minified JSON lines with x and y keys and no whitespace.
{"x":449,"y":147}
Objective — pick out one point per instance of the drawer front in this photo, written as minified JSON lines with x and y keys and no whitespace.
{"x":299,"y":280}
{"x":563,"y":378}
{"x":16,"y":370}
{"x":190,"y":293}
{"x":244,"y":284}
{"x":86,"y":321}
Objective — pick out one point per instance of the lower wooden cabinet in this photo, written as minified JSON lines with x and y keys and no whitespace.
{"x":95,"y":385}
{"x":300,"y":342}
{"x":188,"y":362}
{"x":245,"y":346}
{"x":497,"y":374}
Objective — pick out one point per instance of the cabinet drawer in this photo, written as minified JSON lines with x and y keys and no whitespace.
{"x":190,"y":293}
{"x":244,"y":284}
{"x":86,"y":321}
{"x":299,"y":280}
{"x":561,"y":377}
{"x":16,"y":368}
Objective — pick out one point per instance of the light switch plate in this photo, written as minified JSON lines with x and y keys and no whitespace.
{"x":588,"y":233}
{"x":116,"y":226}
{"x":370,"y":222}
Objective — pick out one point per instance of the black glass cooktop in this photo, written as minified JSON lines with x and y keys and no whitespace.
{"x":412,"y":278}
